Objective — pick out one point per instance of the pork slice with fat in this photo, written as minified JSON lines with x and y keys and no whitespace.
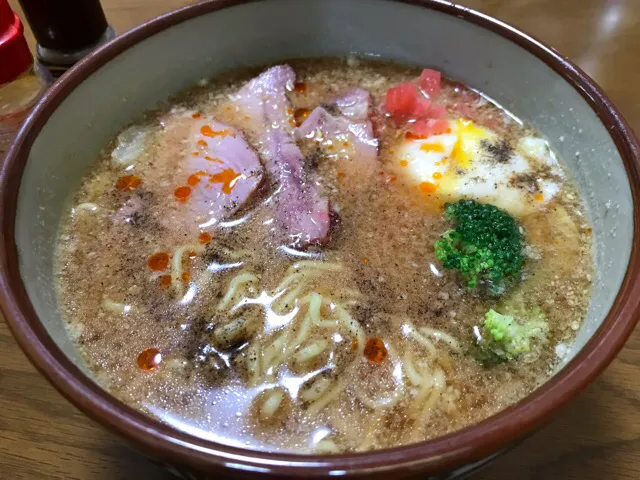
{"x":344,"y":125}
{"x":302,"y":210}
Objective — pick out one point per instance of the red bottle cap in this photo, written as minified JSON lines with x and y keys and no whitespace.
{"x":15,"y":57}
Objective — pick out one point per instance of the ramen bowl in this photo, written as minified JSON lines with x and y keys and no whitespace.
{"x":108,"y":89}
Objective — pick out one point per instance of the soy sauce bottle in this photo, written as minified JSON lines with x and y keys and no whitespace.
{"x":66,"y":30}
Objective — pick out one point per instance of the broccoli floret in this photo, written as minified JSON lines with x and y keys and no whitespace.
{"x":485,"y":246}
{"x":502,"y":338}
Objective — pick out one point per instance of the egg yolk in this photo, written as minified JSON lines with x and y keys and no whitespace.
{"x":469,"y":136}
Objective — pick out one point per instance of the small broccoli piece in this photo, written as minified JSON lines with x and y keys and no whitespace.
{"x":485,"y":246}
{"x":503,"y":338}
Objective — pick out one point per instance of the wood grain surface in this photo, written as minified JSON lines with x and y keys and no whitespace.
{"x":597,"y":437}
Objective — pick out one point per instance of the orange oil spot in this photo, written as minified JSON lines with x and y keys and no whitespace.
{"x":413,"y":136}
{"x":202,"y":143}
{"x":403,"y":163}
{"x":204,"y":238}
{"x":158,"y":261}
{"x":149,"y":359}
{"x":195,"y":154}
{"x":345,"y":144}
{"x":538,"y":197}
{"x":182,"y":193}
{"x":299,"y":87}
{"x":341,"y":175}
{"x":375,"y":351}
{"x":428,"y":187}
{"x":300,"y":115}
{"x":191,"y":255}
{"x":228,"y":177}
{"x":436,"y":175}
{"x":207,"y":131}
{"x":392,"y":179}
{"x":165,"y":281}
{"x":194,"y":179}
{"x":432,"y":147}
{"x":186,"y":276}
{"x":365,"y":260}
{"x":196,"y":115}
{"x":214,"y":160}
{"x":128,"y":183}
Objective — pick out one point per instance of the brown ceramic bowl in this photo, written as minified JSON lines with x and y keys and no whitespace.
{"x":86,"y":108}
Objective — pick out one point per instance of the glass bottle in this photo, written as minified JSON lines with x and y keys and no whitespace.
{"x":22,"y":82}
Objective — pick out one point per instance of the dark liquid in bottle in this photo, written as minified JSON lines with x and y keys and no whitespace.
{"x":65,"y":25}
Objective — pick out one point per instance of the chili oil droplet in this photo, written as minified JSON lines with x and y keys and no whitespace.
{"x":128,"y":183}
{"x":158,"y":261}
{"x":375,"y":351}
{"x":149,"y":359}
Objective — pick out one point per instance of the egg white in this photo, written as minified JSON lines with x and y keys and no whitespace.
{"x":457,"y":165}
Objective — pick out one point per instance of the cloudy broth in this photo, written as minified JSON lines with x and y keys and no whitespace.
{"x":196,"y":299}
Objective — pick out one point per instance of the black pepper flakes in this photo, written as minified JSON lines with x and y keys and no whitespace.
{"x":500,"y":151}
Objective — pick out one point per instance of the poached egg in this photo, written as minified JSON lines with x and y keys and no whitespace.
{"x":471,"y":161}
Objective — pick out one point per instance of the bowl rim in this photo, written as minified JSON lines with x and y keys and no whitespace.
{"x":437,"y":455}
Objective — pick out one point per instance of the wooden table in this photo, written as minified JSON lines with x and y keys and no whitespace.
{"x":597,"y":437}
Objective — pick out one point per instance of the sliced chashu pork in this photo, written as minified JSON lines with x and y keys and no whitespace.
{"x":206,"y":168}
{"x":224,"y":170}
{"x":302,"y":211}
{"x":344,"y":125}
